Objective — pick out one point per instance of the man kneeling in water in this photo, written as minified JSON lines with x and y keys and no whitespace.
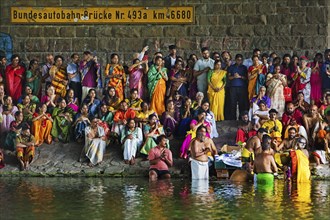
{"x":264,"y":163}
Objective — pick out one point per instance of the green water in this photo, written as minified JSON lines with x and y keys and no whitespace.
{"x":92,"y":198}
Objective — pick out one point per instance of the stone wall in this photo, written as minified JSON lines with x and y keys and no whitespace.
{"x":295,"y":26}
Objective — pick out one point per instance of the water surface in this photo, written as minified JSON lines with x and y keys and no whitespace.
{"x":96,"y":198}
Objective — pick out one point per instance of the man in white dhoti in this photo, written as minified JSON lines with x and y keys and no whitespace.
{"x":95,"y":142}
{"x":201,"y":148}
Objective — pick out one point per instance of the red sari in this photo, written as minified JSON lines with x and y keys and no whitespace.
{"x":14,"y":81}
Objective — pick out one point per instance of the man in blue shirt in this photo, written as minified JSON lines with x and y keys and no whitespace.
{"x":325,"y":71}
{"x":74,"y":76}
{"x":237,"y":76}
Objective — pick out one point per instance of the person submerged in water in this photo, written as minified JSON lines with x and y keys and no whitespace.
{"x":264,"y":163}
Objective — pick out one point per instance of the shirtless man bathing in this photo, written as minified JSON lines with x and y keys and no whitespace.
{"x":200,"y":148}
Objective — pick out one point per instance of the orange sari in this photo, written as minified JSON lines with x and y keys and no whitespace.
{"x":253,"y":73}
{"x":41,"y":129}
{"x":118,"y":84}
{"x":158,"y":97}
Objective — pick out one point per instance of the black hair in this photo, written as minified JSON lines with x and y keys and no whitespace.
{"x":32,"y":62}
{"x":264,"y":143}
{"x":113,"y":56}
{"x":292,"y":129}
{"x":74,"y":54}
{"x":160,"y":138}
{"x":14,"y":56}
{"x":200,"y":128}
{"x":58,"y":57}
{"x":133,"y":90}
{"x":238,"y":56}
{"x":204,"y":49}
{"x":17,"y":113}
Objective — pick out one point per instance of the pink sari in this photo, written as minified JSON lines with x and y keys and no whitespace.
{"x":135,"y":80}
{"x":191,"y":135}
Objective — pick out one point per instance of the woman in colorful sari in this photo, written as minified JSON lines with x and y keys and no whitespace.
{"x":115,"y":76}
{"x":302,"y":80}
{"x":137,"y":71}
{"x":151,"y":131}
{"x":178,"y":79}
{"x":286,"y":69}
{"x":28,"y":91}
{"x":316,"y":83}
{"x":33,"y":77}
{"x":216,"y":92}
{"x":62,"y":116}
{"x":106,"y":119}
{"x":256,"y":76}
{"x":157,"y":78}
{"x":49,"y":99}
{"x":92,"y":102}
{"x":15,"y":129}
{"x":261,"y":96}
{"x":275,"y":84}
{"x":59,"y":76}
{"x":209,"y":118}
{"x":111,"y":100}
{"x":95,"y":142}
{"x":135,"y":102}
{"x":8,"y":111}
{"x":25,"y":147}
{"x":14,"y":78}
{"x":131,"y":139}
{"x":197,"y":103}
{"x":28,"y":108}
{"x":72,"y":100}
{"x":42,"y":124}
{"x":143,"y":115}
{"x":194,"y":124}
{"x":81,"y":122}
{"x":170,"y":119}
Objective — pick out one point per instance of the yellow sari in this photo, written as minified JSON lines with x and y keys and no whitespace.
{"x":158,"y":97}
{"x":217,"y":99}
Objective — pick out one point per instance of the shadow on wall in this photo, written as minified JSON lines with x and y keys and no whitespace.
{"x":6,"y":45}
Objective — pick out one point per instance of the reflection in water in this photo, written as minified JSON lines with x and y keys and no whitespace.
{"x":92,"y":198}
{"x":301,"y":198}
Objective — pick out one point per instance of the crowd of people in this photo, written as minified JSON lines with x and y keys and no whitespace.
{"x":142,"y":106}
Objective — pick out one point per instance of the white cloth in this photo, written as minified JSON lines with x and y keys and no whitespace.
{"x":322,"y":155}
{"x":85,"y":90}
{"x":94,"y":148}
{"x":307,"y":89}
{"x":131,"y":146}
{"x":211,"y":119}
{"x":199,"y":170}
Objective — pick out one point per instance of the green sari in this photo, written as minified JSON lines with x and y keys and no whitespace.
{"x":153,"y":77}
{"x":35,"y":84}
{"x":61,"y":126}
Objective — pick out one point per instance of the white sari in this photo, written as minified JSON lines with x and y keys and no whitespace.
{"x":95,"y":148}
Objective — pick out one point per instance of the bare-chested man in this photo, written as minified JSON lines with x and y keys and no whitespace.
{"x":200,"y":147}
{"x":288,"y":143}
{"x":253,"y":146}
{"x":311,"y":121}
{"x":264,"y":163}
